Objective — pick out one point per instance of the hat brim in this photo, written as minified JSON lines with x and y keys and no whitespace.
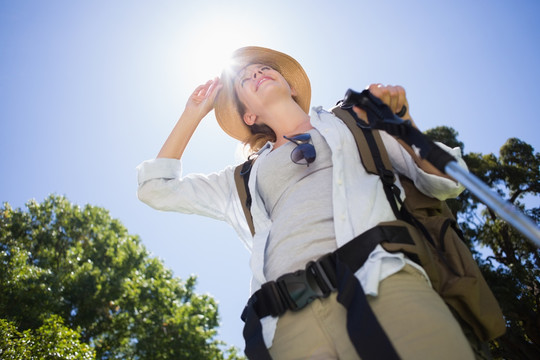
{"x":225,"y":108}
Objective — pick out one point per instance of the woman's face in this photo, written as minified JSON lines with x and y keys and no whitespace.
{"x":258,"y":85}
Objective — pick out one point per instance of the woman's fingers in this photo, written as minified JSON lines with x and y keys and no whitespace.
{"x":392,"y":95}
{"x":201,"y":88}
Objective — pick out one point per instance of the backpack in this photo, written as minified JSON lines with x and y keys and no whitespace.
{"x":439,"y":246}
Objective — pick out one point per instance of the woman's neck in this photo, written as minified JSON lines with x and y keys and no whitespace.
{"x":287,"y":120}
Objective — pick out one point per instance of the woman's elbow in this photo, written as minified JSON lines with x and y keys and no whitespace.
{"x":148,"y":196}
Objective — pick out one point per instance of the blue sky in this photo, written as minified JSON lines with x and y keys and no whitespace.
{"x":89,"y":89}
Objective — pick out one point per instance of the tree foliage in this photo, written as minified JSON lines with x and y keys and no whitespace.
{"x":52,"y":341}
{"x":509,"y":261}
{"x":83,"y":266}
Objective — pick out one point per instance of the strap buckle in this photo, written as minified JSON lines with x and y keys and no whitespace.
{"x":303,"y":286}
{"x":387,"y":176}
{"x":389,"y":180}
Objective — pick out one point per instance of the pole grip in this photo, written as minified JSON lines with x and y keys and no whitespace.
{"x":381,"y":117}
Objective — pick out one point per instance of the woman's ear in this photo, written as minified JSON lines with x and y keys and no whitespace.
{"x":293,"y":92}
{"x":250,"y":118}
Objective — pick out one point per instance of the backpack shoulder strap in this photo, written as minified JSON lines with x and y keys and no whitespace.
{"x":373,"y":155}
{"x":366,"y":140}
{"x":241,"y":179}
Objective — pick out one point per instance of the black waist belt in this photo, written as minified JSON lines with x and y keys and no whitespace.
{"x":295,"y":290}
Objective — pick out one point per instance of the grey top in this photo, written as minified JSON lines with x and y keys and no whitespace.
{"x":298,"y":199}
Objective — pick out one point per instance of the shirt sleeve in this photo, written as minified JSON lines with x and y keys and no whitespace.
{"x":430,"y":184}
{"x":162,"y":186}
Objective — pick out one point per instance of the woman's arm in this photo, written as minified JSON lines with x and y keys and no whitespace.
{"x":199,"y":104}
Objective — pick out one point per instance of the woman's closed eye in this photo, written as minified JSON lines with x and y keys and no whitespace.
{"x":262,"y":68}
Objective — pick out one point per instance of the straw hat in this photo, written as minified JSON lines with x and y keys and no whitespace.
{"x":225,"y":106}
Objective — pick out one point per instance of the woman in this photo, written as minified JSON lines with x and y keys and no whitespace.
{"x":305,"y":205}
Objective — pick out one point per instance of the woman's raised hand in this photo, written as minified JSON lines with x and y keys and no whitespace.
{"x":198,"y":106}
{"x":201,"y":101}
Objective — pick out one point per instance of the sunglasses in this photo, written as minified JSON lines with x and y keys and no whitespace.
{"x":304,"y":152}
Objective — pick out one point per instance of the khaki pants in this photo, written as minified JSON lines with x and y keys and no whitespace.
{"x":417,"y":321}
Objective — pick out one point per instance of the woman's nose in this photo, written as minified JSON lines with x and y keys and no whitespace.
{"x":257,"y":73}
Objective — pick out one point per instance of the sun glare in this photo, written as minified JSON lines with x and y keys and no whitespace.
{"x":209,"y":53}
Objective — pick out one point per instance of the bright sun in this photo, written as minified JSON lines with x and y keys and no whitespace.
{"x":211,"y":49}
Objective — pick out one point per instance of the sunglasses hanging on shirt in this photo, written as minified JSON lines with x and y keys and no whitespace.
{"x":304,"y":152}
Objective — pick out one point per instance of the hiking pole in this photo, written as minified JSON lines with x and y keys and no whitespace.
{"x":381,"y":117}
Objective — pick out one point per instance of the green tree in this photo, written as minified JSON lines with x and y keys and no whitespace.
{"x":509,"y":261}
{"x":82,"y":265}
{"x":52,"y":341}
